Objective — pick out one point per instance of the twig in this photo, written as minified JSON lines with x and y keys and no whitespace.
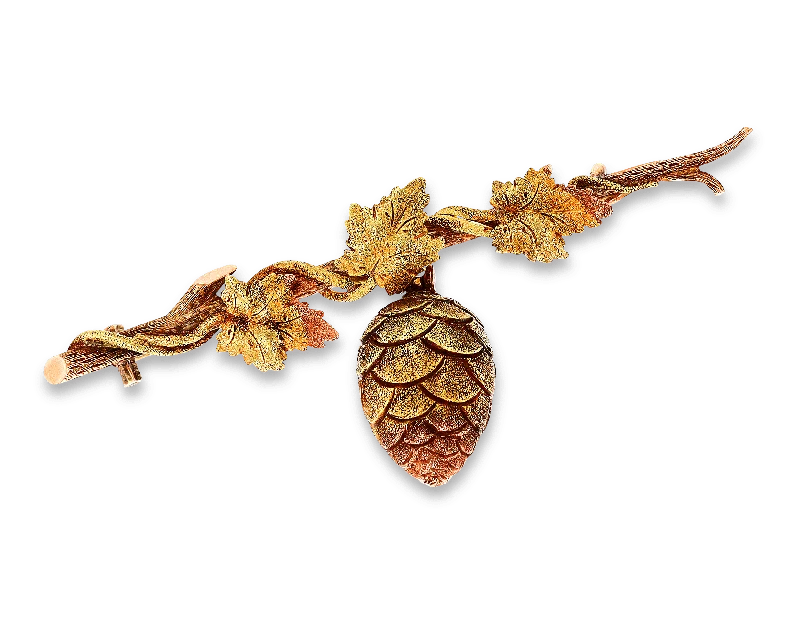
{"x":190,"y":323}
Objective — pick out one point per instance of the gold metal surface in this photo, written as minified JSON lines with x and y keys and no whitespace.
{"x":426,"y":375}
{"x":425,"y":365}
{"x":389,"y":242}
{"x":265,"y":320}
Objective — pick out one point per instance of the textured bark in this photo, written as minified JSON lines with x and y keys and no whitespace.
{"x":681,"y":168}
{"x":170,"y":334}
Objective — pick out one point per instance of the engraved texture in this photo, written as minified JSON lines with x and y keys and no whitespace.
{"x":389,"y":242}
{"x":426,"y":376}
{"x":265,"y":320}
{"x":534,"y":214}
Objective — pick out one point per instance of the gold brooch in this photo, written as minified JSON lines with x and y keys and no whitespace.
{"x":425,"y":366}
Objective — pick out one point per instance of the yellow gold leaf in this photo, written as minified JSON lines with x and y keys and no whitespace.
{"x":225,"y":337}
{"x":265,"y":350}
{"x":534,"y":214}
{"x":265,"y":320}
{"x":260,"y":345}
{"x":536,"y":239}
{"x":389,"y":241}
{"x":512,"y":237}
{"x":235,"y":296}
{"x":293,"y":332}
{"x":352,"y":262}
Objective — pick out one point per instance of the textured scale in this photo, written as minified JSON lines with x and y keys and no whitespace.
{"x":426,"y":375}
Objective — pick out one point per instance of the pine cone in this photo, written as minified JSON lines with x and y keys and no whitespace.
{"x":426,"y":375}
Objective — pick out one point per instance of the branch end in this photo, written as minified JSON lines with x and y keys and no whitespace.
{"x":55,"y":370}
{"x":216,"y":274}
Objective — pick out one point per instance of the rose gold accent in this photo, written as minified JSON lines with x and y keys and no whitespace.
{"x":215,"y":274}
{"x":55,"y":369}
{"x":599,"y":170}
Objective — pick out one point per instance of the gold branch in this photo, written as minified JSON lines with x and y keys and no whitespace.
{"x":387,"y":244}
{"x":456,"y":224}
{"x":359,"y":291}
{"x":322,"y":274}
{"x":190,"y":323}
{"x":611,"y":187}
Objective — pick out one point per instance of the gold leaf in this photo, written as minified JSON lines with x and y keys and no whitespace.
{"x":389,"y":241}
{"x":265,"y":320}
{"x":533,"y":214}
{"x":536,"y":239}
{"x":259,"y":344}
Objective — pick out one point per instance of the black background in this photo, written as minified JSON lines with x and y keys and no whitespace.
{"x":611,"y":365}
